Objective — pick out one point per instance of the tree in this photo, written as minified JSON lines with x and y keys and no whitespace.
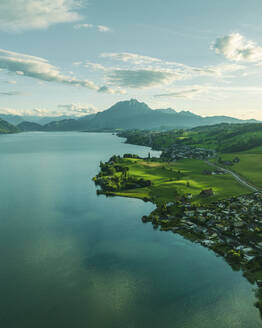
{"x":124,"y":172}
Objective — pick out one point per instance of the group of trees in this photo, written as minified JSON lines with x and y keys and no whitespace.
{"x":115,"y":177}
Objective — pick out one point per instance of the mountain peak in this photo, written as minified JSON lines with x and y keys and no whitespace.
{"x":133,"y":101}
{"x":131,"y":105}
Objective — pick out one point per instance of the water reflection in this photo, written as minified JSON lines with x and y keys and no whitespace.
{"x":72,"y":259}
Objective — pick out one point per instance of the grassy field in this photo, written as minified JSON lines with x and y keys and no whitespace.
{"x":250,"y":165}
{"x":165,"y":186}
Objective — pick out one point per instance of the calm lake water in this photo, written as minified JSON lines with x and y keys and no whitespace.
{"x":72,"y":259}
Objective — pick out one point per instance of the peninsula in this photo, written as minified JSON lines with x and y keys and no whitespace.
{"x":200,"y":193}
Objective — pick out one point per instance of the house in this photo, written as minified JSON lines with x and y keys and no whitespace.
{"x":207,"y":192}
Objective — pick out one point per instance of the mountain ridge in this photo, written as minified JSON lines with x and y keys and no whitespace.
{"x":132,"y":114}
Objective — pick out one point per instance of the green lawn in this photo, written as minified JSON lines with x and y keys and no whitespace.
{"x":165,"y":185}
{"x":250,"y":165}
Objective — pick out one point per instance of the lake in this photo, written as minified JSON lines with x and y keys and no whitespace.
{"x":71,"y":258}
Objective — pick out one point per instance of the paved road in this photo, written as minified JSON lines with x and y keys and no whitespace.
{"x":237,"y":177}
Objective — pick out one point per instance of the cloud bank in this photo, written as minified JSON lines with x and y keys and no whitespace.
{"x":143,"y":78}
{"x":20,"y":15}
{"x":138,"y":71}
{"x":38,"y":68}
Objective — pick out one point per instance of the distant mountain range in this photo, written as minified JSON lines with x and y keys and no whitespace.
{"x":17,"y":119}
{"x":130,"y":114}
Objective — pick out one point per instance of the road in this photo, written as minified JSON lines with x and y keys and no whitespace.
{"x":237,"y":177}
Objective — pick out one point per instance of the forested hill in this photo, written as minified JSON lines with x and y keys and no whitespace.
{"x":224,"y":137}
{"x":6,"y":127}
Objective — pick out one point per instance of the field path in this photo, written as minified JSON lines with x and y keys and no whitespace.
{"x":237,"y":177}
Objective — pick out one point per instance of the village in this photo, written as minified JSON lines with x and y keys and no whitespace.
{"x":231,"y":228}
{"x":177,"y":151}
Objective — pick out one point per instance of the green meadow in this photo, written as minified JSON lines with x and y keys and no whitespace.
{"x":250,"y":165}
{"x":166,"y":185}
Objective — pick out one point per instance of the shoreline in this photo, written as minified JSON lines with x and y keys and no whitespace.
{"x":221,"y":226}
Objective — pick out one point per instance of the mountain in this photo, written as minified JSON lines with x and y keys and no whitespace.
{"x":137,"y":115}
{"x":29,"y":126}
{"x":6,"y":127}
{"x":133,"y":114}
{"x":17,"y":119}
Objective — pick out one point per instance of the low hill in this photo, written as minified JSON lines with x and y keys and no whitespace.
{"x":6,"y":127}
{"x":224,"y":137}
{"x":29,"y":126}
{"x":69,"y":124}
{"x":229,"y":138}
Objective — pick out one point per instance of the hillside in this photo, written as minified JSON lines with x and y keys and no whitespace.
{"x":6,"y":127}
{"x":69,"y":124}
{"x":224,"y":137}
{"x":29,"y":126}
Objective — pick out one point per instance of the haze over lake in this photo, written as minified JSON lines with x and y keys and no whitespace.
{"x":73,"y":259}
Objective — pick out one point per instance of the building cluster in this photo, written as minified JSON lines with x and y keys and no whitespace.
{"x":232,"y":228}
{"x":176,"y":152}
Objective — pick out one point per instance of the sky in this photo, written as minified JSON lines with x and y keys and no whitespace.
{"x":65,"y":57}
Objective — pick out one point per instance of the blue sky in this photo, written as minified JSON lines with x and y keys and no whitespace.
{"x":71,"y":56}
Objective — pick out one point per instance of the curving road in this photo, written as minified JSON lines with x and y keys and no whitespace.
{"x":237,"y":177}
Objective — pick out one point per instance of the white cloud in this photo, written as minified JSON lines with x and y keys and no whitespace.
{"x":79,"y":26}
{"x":185,"y":92}
{"x":38,"y":68}
{"x":131,"y":57}
{"x":94,"y":66}
{"x":21,"y":112}
{"x":63,"y":110}
{"x":103,"y":28}
{"x":19,"y":15}
{"x":106,"y":89}
{"x":77,"y":109}
{"x":9,"y":93}
{"x":216,"y":92}
{"x":141,"y":78}
{"x":18,"y":72}
{"x":236,"y":48}
{"x":99,"y":28}
{"x":217,"y":70}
